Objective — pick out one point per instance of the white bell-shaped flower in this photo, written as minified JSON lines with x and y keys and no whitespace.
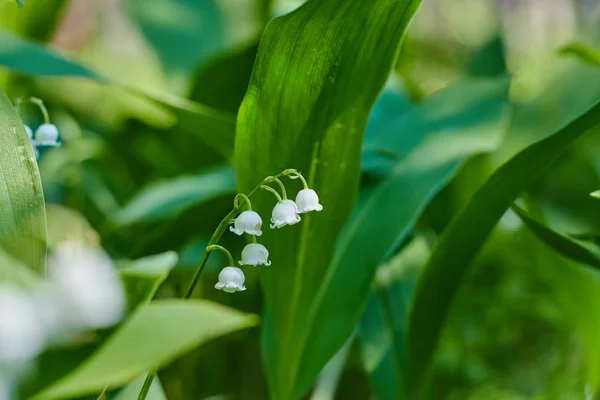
{"x":21,"y":335}
{"x":284,"y":213}
{"x":249,"y":222}
{"x":308,"y":200}
{"x":47,"y":135}
{"x":231,"y":279}
{"x":29,"y":132}
{"x":86,"y":286}
{"x":255,"y":254}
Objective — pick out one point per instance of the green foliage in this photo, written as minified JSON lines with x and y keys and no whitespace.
{"x":142,"y":277}
{"x":25,"y":57}
{"x":22,"y":212}
{"x":154,"y":335}
{"x":308,"y":109}
{"x":462,"y":240}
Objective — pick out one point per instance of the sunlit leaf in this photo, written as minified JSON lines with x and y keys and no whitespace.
{"x":583,"y":52}
{"x":314,"y":83}
{"x":463,"y":239}
{"x":143,"y":276}
{"x":155,"y":335}
{"x":22,"y":210}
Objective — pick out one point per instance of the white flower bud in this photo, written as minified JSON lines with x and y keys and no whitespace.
{"x":231,"y":279}
{"x":47,"y":135}
{"x":307,"y":200}
{"x":86,"y":286}
{"x":249,"y":222}
{"x":284,"y":213}
{"x":21,"y":335}
{"x":255,"y":254}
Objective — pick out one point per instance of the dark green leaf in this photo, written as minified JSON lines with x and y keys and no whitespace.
{"x":383,"y":326}
{"x":155,"y":335}
{"x":568,"y":247}
{"x":431,"y":142}
{"x":169,"y":198}
{"x":213,"y":126}
{"x":314,"y":83}
{"x":22,"y":211}
{"x":143,"y":276}
{"x":463,"y":239}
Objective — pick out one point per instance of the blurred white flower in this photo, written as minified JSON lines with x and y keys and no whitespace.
{"x":21,"y":335}
{"x":308,"y":200}
{"x":86,"y":287}
{"x":249,"y":222}
{"x":231,"y":279}
{"x":284,"y":213}
{"x":255,"y":254}
{"x":47,"y":135}
{"x":29,"y":132}
{"x":6,"y":387}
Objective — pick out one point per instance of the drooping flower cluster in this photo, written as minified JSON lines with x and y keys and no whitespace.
{"x":46,"y":135}
{"x":83,"y":292}
{"x":285,"y":212}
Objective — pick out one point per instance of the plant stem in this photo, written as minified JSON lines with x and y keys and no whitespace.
{"x":42,"y":107}
{"x":270,"y":189}
{"x":212,"y":245}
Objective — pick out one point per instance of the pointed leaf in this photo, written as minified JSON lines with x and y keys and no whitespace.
{"x":155,"y":335}
{"x":22,"y":210}
{"x":568,"y":247}
{"x":463,"y":239}
{"x":314,"y":83}
{"x":143,"y":276}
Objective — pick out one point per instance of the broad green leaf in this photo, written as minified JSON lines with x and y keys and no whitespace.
{"x":427,"y":154}
{"x":132,"y":391}
{"x":216,"y":128}
{"x":584,"y":53}
{"x":463,"y":239}
{"x":383,"y":326}
{"x":22,"y":212}
{"x":171,"y":197}
{"x":155,"y":335}
{"x":143,"y":276}
{"x":567,"y":246}
{"x":314,"y":83}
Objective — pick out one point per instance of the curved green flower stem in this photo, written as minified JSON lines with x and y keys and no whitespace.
{"x":283,"y":192}
{"x":212,"y":245}
{"x":40,"y":104}
{"x":270,"y":189}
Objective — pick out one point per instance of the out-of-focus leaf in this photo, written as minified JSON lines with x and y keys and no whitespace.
{"x":67,"y":224}
{"x":155,"y":335}
{"x":215,"y":127}
{"x":183,"y":32}
{"x":568,"y":247}
{"x":314,"y":83}
{"x":132,"y":391}
{"x":462,"y":240}
{"x":429,"y":145}
{"x":582,"y":52}
{"x":143,"y":276}
{"x":22,"y":210}
{"x":14,"y":272}
{"x":383,"y":326}
{"x":171,"y":197}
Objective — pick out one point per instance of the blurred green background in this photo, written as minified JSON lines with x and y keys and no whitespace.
{"x":145,"y":184}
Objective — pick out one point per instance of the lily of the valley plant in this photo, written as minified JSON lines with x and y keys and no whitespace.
{"x":243,"y":220}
